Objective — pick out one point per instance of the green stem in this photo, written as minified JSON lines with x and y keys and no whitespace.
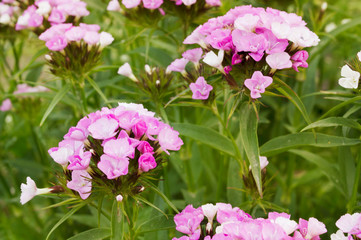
{"x":105,"y":214}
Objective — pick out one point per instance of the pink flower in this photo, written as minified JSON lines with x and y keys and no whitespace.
{"x":118,"y":148}
{"x":113,"y":5}
{"x":6,"y":105}
{"x":103,"y":128}
{"x":196,"y":38}
{"x":145,"y":147}
{"x":127,"y":119}
{"x":177,"y":65}
{"x":35,"y":20}
{"x":189,"y":2}
{"x":75,"y":34}
{"x":257,"y":84}
{"x":81,"y":182}
{"x":56,"y":16}
{"x":200,"y":89}
{"x":311,"y":228}
{"x":299,"y":59}
{"x":214,"y":3}
{"x":152,"y":4}
{"x":139,"y":129}
{"x":57,"y":43}
{"x":29,"y":191}
{"x":220,"y":39}
{"x":77,"y":134}
{"x":169,"y":140}
{"x":74,"y":8}
{"x":90,"y":27}
{"x":105,"y":39}
{"x":249,"y":42}
{"x":188,"y":221}
{"x":91,"y":37}
{"x":126,"y":71}
{"x":61,"y":154}
{"x":131,"y":3}
{"x":113,"y":167}
{"x":56,"y":30}
{"x":146,"y":162}
{"x":350,"y":223}
{"x":193,"y":55}
{"x":79,"y":162}
{"x":279,"y":60}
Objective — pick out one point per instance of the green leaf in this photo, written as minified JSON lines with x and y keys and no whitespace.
{"x":206,"y":136}
{"x":283,"y":143}
{"x":287,"y":91}
{"x":157,"y":223}
{"x":92,"y":234}
{"x":117,"y":222}
{"x":64,"y":218}
{"x":97,"y":89}
{"x":334,"y":122}
{"x":150,"y":204}
{"x":248,"y":131}
{"x":54,"y":102}
{"x":156,"y":190}
{"x":339,"y":106}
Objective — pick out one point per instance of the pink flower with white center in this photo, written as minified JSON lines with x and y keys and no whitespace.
{"x":152,"y":4}
{"x":154,"y":126}
{"x":91,"y":38}
{"x":61,"y":154}
{"x":311,"y":228}
{"x":56,"y":16}
{"x":113,"y":167}
{"x":126,"y":71}
{"x":79,"y":162}
{"x":280,"y":60}
{"x":145,"y":147}
{"x":118,"y":148}
{"x":169,"y":140}
{"x":226,"y":213}
{"x":139,"y":108}
{"x":80,"y":182}
{"x":303,"y":37}
{"x":189,"y":2}
{"x":249,"y":42}
{"x":104,"y":127}
{"x":214,"y":3}
{"x":35,"y":20}
{"x":178,"y":65}
{"x":76,"y":146}
{"x":350,"y":223}
{"x":288,"y":226}
{"x":299,"y":60}
{"x":44,"y":8}
{"x":113,"y":5}
{"x":257,"y":84}
{"x":127,"y":119}
{"x":29,"y":191}
{"x":274,"y":45}
{"x":131,"y":3}
{"x":6,"y":105}
{"x":200,"y":89}
{"x":75,"y":34}
{"x":188,"y":221}
{"x":271,"y":231}
{"x":193,"y":55}
{"x":57,"y":43}
{"x":119,"y":198}
{"x":146,"y":162}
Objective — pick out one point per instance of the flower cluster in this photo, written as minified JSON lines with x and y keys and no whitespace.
{"x":6,"y":105}
{"x":350,"y":224}
{"x":25,"y":88}
{"x":252,"y":39}
{"x":233,"y":223}
{"x":350,"y":77}
{"x":9,"y":10}
{"x":44,"y":13}
{"x":114,"y":147}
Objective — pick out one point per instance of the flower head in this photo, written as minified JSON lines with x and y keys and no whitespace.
{"x":200,"y":89}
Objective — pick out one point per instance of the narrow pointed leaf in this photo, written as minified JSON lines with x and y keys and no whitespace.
{"x":296,"y":140}
{"x":207,"y":136}
{"x":248,"y":131}
{"x":97,"y":89}
{"x":92,"y":234}
{"x":157,"y":223}
{"x":341,"y":105}
{"x":334,"y":122}
{"x":54,"y":102}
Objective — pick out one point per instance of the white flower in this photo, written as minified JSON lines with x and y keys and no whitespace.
{"x":113,"y":5}
{"x":339,"y":235}
{"x":289,"y":226}
{"x":119,"y":198}
{"x":126,"y":70}
{"x":303,"y":37}
{"x":209,"y":210}
{"x":247,"y":22}
{"x":359,"y":56}
{"x":29,"y":191}
{"x":349,"y":78}
{"x":43,"y":8}
{"x":105,"y":39}
{"x":5,"y":19}
{"x":215,"y":61}
{"x":148,"y":69}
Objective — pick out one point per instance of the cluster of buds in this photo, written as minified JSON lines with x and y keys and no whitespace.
{"x":9,"y":10}
{"x":252,"y":44}
{"x":45,"y":13}
{"x":350,"y":224}
{"x":350,"y":74}
{"x":74,"y":48}
{"x":233,"y":223}
{"x":153,"y":81}
{"x":113,"y":150}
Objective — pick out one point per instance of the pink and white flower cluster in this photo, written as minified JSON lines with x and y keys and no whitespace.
{"x":53,"y":11}
{"x":25,"y":88}
{"x":111,"y":143}
{"x":59,"y":36}
{"x":154,"y":4}
{"x":234,"y":224}
{"x":248,"y":34}
{"x":8,"y":12}
{"x":350,"y":224}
